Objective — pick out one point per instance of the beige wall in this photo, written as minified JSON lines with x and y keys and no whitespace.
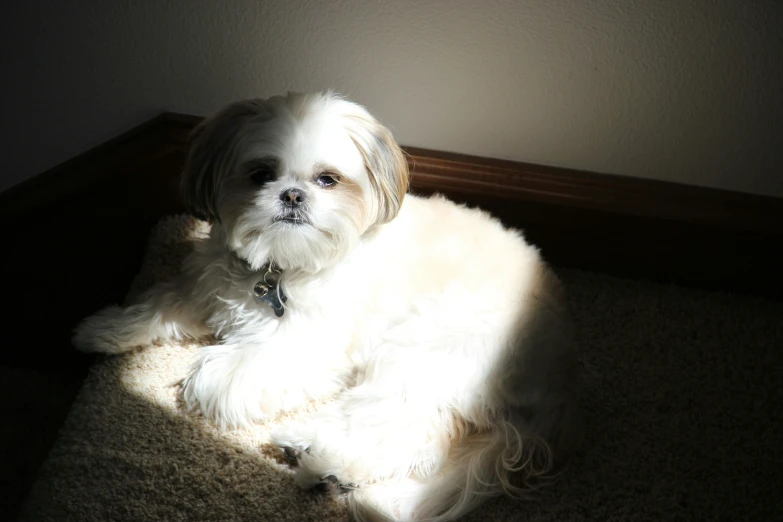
{"x":686,"y":91}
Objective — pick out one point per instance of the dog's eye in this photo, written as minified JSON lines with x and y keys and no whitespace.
{"x":327,"y":180}
{"x":264,"y":172}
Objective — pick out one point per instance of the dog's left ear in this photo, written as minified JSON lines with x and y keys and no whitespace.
{"x":384,"y":160}
{"x":211,"y":156}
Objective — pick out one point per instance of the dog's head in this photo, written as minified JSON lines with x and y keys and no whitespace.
{"x":295,"y":180}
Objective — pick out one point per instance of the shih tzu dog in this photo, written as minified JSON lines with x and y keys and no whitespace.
{"x":440,"y":337}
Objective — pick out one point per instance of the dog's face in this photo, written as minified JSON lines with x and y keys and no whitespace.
{"x":295,"y":180}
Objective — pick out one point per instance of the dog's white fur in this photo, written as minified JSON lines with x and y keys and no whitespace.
{"x":441,"y":336}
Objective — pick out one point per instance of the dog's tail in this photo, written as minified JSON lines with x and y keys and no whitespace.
{"x":480,"y":466}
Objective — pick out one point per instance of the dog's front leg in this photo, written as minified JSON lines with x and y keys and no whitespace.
{"x":245,"y":380}
{"x":162,"y":313}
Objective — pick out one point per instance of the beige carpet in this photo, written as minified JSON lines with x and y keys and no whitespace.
{"x":682,"y":398}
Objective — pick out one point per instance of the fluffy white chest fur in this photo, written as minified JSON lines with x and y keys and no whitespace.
{"x":441,"y":336}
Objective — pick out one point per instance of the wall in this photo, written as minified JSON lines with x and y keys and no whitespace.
{"x":687,"y":91}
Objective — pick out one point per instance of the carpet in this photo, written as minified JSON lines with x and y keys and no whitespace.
{"x":682,"y":400}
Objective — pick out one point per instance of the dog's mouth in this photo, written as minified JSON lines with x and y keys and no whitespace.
{"x":292,"y":218}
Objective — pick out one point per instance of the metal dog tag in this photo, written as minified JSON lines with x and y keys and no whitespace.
{"x":260,"y":290}
{"x":268,"y":290}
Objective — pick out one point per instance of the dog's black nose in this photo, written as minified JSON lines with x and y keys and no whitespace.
{"x":293,"y":197}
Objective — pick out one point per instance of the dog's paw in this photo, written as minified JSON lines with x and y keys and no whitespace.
{"x":293,"y":443}
{"x":331,"y":485}
{"x":221,"y":388}
{"x":103,"y":333}
{"x":217,"y":402}
{"x":292,"y":455}
{"x":85,"y":340}
{"x":315,"y":469}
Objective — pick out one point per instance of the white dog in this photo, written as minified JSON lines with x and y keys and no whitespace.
{"x":441,"y":336}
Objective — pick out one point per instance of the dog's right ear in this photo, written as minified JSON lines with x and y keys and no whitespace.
{"x":211,"y":155}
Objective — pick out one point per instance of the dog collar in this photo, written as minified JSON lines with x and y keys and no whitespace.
{"x":268,"y":289}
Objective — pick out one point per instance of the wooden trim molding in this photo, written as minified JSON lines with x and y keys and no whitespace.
{"x":623,"y":226}
{"x":591,"y":191}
